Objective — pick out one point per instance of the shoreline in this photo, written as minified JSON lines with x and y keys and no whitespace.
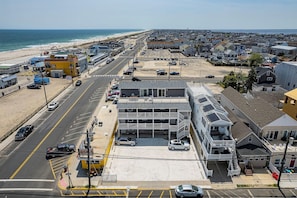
{"x":20,"y":56}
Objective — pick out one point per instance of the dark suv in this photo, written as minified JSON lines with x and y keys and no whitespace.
{"x":161,"y":72}
{"x":24,"y":132}
{"x":60,"y":150}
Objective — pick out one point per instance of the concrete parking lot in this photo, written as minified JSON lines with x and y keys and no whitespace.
{"x":150,"y":160}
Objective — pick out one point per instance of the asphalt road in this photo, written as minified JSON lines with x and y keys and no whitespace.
{"x":23,"y":166}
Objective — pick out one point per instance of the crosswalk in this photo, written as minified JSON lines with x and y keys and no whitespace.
{"x":109,"y":76}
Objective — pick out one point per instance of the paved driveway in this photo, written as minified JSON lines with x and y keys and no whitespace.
{"x":150,"y":160}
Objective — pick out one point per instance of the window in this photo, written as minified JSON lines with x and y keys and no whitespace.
{"x":250,"y":139}
{"x":269,"y":79}
{"x":161,"y":93}
{"x":173,"y":122}
{"x":268,"y":73}
{"x":276,"y":161}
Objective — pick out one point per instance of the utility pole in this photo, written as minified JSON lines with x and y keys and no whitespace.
{"x":289,"y":139}
{"x":89,"y":167}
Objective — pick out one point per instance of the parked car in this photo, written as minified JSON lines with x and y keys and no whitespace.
{"x":188,"y":190}
{"x":125,"y":141}
{"x":172,"y":63}
{"x":23,"y":132}
{"x":135,"y":79}
{"x":109,"y":60}
{"x":115,"y":86}
{"x":60,"y":150}
{"x":209,"y":76}
{"x":53,"y":105}
{"x":178,"y":145}
{"x":34,"y":86}
{"x":78,"y":83}
{"x":161,"y":72}
{"x":128,"y":72}
{"x":174,"y":73}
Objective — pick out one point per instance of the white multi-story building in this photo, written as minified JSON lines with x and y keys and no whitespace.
{"x":154,"y":108}
{"x":212,"y":130}
{"x":286,"y":75}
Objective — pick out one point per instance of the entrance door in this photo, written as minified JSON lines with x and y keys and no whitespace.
{"x":292,"y":163}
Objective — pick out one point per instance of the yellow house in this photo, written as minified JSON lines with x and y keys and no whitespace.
{"x":290,"y":103}
{"x":60,"y":62}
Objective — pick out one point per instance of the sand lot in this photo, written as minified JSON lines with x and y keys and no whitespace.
{"x":153,"y":60}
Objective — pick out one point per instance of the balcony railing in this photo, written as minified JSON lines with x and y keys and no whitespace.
{"x":222,"y":143}
{"x":146,"y":126}
{"x":161,"y":115}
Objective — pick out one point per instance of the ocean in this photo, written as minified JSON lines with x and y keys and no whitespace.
{"x":19,"y":39}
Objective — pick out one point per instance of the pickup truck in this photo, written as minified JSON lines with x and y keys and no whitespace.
{"x":60,"y":150}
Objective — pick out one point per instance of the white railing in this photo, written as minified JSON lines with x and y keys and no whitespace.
{"x":161,"y":125}
{"x":127,"y":126}
{"x":145,"y":125}
{"x":173,"y":127}
{"x":219,"y":157}
{"x":222,"y":143}
{"x":127,"y":115}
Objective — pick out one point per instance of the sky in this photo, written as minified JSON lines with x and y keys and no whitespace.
{"x":148,"y":14}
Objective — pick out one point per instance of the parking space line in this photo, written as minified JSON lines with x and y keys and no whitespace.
{"x":139,"y":194}
{"x":70,"y":140}
{"x":52,"y":169}
{"x":70,"y":134}
{"x":150,"y":194}
{"x":47,"y":135}
{"x":250,"y":193}
{"x":87,"y":113}
{"x":162,"y":194}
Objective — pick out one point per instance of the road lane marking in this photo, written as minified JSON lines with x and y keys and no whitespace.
{"x":26,"y":189}
{"x":27,"y":180}
{"x":48,"y":134}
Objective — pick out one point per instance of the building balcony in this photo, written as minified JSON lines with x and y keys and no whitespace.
{"x":146,"y":115}
{"x":217,"y":154}
{"x":157,"y":126}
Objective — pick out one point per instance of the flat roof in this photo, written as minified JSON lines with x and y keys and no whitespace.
{"x":153,"y":103}
{"x":292,"y":94}
{"x":282,"y":47}
{"x":153,"y":84}
{"x":7,"y":65}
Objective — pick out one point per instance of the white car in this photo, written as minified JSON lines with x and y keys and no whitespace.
{"x":188,"y":190}
{"x":53,"y":105}
{"x":125,"y":141}
{"x":178,"y":145}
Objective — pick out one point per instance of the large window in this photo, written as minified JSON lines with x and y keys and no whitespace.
{"x":161,"y":93}
{"x":173,"y":122}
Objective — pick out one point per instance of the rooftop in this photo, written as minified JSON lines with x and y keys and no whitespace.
{"x":292,"y":94}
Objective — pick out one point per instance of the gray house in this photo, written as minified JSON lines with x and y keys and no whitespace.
{"x":271,"y":125}
{"x":286,"y":75}
{"x":154,"y":108}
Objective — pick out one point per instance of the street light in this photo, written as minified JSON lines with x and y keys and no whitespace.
{"x":71,"y":70}
{"x":43,"y":88}
{"x":289,"y":140}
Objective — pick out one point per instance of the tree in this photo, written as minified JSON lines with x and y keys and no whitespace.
{"x":251,"y":79}
{"x":255,"y":59}
{"x":230,"y":80}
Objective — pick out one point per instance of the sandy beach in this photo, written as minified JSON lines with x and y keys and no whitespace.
{"x":17,"y":107}
{"x":23,"y":55}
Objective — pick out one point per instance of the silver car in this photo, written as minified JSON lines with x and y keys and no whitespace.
{"x":188,"y":190}
{"x":52,"y":106}
{"x":178,"y":145}
{"x":125,"y":141}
